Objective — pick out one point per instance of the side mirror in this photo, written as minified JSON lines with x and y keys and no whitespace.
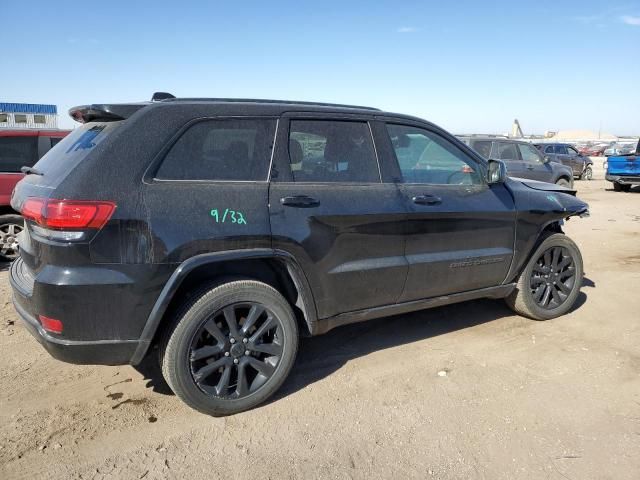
{"x":546,"y":159}
{"x":497,"y":172}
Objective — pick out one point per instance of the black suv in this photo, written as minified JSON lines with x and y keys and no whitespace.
{"x":581,"y":165}
{"x":221,"y":230}
{"x":522,"y":159}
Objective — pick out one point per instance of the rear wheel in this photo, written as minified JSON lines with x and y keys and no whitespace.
{"x":563,"y":182}
{"x":231,"y":347}
{"x":550,"y":283}
{"x":10,"y":227}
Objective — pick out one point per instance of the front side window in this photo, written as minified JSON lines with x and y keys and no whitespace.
{"x":17,"y":152}
{"x":529,"y":153}
{"x":508,"y":151}
{"x":332,"y":151}
{"x":224,"y":149}
{"x":572,"y":151}
{"x":426,"y":157}
{"x":549,"y":149}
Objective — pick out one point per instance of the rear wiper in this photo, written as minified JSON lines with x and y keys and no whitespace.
{"x":30,"y":170}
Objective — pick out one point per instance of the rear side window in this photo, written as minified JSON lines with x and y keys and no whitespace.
{"x":16,"y":152}
{"x":549,"y":149}
{"x":508,"y":151}
{"x":483,"y":147}
{"x":224,"y":149}
{"x":332,"y":151}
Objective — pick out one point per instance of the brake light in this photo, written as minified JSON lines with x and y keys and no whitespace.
{"x":50,"y":324}
{"x":68,"y":214}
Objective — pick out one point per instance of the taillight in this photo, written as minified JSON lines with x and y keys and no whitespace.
{"x":68,"y":214}
{"x":50,"y":324}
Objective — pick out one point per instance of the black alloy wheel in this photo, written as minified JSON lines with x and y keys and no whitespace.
{"x":552,"y":278}
{"x":236,"y":350}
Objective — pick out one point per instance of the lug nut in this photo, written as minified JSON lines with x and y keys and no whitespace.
{"x":226,"y":354}
{"x":235,"y":360}
{"x":232,"y":340}
{"x":244,"y":340}
{"x":247,"y":352}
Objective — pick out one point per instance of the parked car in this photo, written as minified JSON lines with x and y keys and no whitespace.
{"x":18,"y":148}
{"x":199,"y":226}
{"x":522,"y":159}
{"x":624,"y":170}
{"x":581,"y":165}
{"x":594,"y":150}
{"x":620,"y":149}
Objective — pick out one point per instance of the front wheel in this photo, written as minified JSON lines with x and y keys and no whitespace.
{"x":550,"y":283}
{"x":563,"y":183}
{"x":231,"y":347}
{"x":587,"y":174}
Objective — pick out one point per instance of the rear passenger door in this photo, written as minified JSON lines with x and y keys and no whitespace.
{"x":330,"y":210}
{"x":460,"y":230}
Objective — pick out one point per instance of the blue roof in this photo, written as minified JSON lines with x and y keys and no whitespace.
{"x":28,"y":108}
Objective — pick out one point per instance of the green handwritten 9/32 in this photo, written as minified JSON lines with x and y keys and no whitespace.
{"x":228,"y":216}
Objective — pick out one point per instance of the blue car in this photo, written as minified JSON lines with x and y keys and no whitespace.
{"x":624,"y":170}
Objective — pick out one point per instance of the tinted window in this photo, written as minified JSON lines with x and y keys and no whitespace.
{"x":227,"y":149}
{"x":16,"y":152}
{"x":549,"y":149}
{"x":560,"y":150}
{"x":483,"y":147}
{"x":572,"y":151}
{"x":332,"y":151}
{"x":508,"y":151}
{"x":55,"y":141}
{"x":529,"y":153}
{"x":426,"y":157}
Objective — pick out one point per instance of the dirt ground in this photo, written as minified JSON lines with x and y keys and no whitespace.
{"x":465,"y":391}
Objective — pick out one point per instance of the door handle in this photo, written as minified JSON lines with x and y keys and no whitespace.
{"x":300,"y":201}
{"x":530,"y":167}
{"x":426,"y":200}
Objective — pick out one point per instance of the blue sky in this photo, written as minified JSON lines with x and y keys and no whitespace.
{"x":467,"y":66}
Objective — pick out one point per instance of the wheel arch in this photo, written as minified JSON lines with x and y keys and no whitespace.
{"x":273,"y":267}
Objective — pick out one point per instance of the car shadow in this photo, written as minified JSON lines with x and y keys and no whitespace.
{"x":321,"y":356}
{"x":4,"y":266}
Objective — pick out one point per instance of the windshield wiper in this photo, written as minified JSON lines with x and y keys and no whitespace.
{"x":30,"y":170}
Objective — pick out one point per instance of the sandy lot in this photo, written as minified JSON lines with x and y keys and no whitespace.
{"x":520,"y":399}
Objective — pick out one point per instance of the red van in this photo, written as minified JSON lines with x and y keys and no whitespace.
{"x":18,"y":148}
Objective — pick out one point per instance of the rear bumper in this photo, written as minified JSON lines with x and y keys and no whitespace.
{"x":623,"y":179}
{"x":87,"y":352}
{"x":107,"y":352}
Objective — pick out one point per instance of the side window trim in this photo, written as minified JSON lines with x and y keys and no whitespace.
{"x":398,"y":122}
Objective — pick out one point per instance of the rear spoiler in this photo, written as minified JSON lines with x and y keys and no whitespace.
{"x":105,"y":112}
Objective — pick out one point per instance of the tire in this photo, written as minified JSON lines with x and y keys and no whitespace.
{"x":617,"y":187}
{"x":563,"y":182}
{"x":208,"y":320}
{"x":626,"y":187}
{"x":524,"y":299}
{"x":587,"y":174}
{"x":10,"y":226}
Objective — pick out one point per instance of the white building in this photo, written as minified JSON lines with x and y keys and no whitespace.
{"x":28,"y":115}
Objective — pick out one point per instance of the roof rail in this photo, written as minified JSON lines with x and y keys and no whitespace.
{"x":260,"y":100}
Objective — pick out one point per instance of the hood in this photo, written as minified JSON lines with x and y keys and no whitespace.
{"x":545,"y":186}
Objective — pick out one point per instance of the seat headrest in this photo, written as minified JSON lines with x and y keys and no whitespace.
{"x":295,"y":151}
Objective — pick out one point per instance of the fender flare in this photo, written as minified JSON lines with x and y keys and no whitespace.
{"x":305,"y":301}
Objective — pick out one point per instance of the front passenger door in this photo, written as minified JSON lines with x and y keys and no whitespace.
{"x":534,"y":163}
{"x":460,"y":232}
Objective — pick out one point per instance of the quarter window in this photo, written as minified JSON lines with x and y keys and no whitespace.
{"x":426,"y":157}
{"x":332,"y":151}
{"x":226,"y":149}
